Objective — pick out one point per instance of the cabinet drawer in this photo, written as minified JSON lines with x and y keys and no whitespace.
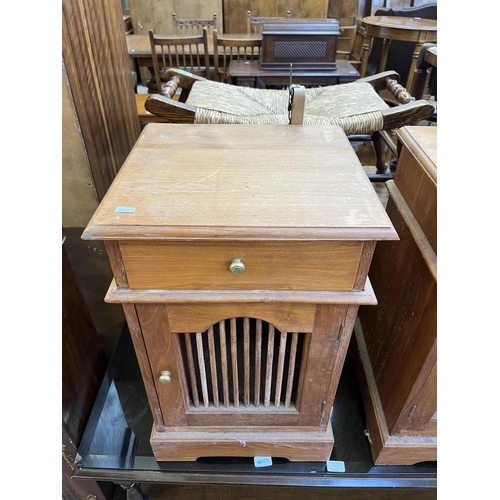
{"x":283,"y":265}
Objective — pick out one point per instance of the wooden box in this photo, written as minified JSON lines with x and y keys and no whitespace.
{"x":397,"y":339}
{"x":309,"y":44}
{"x":240,"y":255}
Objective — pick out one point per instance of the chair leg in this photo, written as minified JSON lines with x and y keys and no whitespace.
{"x":380,"y":152}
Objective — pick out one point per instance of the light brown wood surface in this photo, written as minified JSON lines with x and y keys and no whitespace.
{"x":188,"y":445}
{"x":254,"y":359}
{"x":148,"y":14}
{"x":305,"y":181}
{"x":199,"y":317}
{"x":397,"y":340}
{"x":185,"y":265}
{"x":416,"y":179}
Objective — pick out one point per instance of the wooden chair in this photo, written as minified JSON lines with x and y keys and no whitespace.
{"x":229,"y":48}
{"x":193,"y":26}
{"x":426,"y":62}
{"x":356,"y":107}
{"x":357,"y":46}
{"x":424,"y":74}
{"x":189,"y":53}
{"x":254,"y":23}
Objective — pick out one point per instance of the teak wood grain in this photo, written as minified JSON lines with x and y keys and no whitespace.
{"x":199,"y":317}
{"x":284,"y":265}
{"x":398,"y":339}
{"x":416,"y":176}
{"x":300,"y":181}
{"x":255,"y":358}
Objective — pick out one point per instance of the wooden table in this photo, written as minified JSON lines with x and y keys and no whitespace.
{"x":249,"y":74}
{"x":406,"y":29}
{"x":240,"y":275}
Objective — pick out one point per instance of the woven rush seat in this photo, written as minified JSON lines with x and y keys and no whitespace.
{"x":353,"y":106}
{"x":356,"y":107}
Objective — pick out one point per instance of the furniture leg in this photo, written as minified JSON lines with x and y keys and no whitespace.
{"x":413,"y":64}
{"x":384,"y":55}
{"x":380,"y":148}
{"x":367,"y":45}
{"x":134,"y":491}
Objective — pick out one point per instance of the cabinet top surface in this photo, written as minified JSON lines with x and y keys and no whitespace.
{"x":422,"y":142}
{"x":241,"y":181}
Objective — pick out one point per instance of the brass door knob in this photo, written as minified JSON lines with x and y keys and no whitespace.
{"x":165,"y":378}
{"x":236,"y":266}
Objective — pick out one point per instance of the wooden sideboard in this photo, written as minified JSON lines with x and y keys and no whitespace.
{"x":397,"y":339}
{"x":240,"y":256}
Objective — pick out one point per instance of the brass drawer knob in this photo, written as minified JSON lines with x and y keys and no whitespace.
{"x":165,"y":378}
{"x":236,"y":266}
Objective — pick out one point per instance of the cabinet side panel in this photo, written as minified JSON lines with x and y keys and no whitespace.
{"x":320,"y":376}
{"x":401,"y":330}
{"x":142,"y":358}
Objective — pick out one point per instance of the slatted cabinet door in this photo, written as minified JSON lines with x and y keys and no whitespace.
{"x":243,"y":370}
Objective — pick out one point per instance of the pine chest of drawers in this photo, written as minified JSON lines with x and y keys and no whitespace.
{"x":240,"y":255}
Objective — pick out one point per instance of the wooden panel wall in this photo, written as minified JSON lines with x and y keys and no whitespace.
{"x":100,"y":127}
{"x":235,"y":11}
{"x":157,"y":15}
{"x":96,"y":60}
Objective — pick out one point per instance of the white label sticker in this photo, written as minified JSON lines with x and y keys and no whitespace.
{"x":262,"y":461}
{"x":335,"y":466}
{"x":125,"y":209}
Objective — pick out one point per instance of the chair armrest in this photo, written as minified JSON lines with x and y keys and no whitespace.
{"x":378,"y":80}
{"x":407,"y":114}
{"x":171,"y":109}
{"x":186,"y":79}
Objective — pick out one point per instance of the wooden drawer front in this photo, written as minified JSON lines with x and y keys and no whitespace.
{"x":284,"y":265}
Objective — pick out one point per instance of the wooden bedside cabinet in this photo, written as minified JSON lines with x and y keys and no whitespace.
{"x":397,"y":339}
{"x":240,"y":255}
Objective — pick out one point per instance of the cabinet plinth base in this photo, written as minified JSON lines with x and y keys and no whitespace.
{"x":296,"y":446}
{"x":386,"y":449}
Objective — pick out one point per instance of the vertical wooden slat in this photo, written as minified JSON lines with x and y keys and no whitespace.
{"x":291,"y":369}
{"x":213,"y":366}
{"x":201,"y":365}
{"x":234,"y":360}
{"x":223,"y":358}
{"x":281,"y":365}
{"x":258,"y":360}
{"x":246,"y":360}
{"x":192,"y":375}
{"x":269,"y":365}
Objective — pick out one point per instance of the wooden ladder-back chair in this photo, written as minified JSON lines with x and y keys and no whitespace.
{"x":188,"y":52}
{"x":357,"y":46}
{"x":230,"y":48}
{"x":254,"y":23}
{"x":193,"y":26}
{"x":356,"y":107}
